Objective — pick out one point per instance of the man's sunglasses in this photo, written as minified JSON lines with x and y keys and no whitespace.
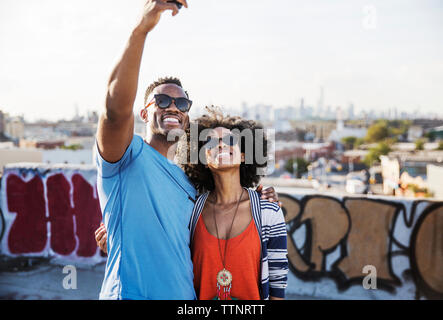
{"x":164,"y":101}
{"x":229,"y":140}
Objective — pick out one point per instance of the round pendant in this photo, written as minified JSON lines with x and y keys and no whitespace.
{"x":224,"y":278}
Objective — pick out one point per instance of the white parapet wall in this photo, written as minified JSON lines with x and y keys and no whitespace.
{"x":366,"y":247}
{"x":50,"y":211}
{"x":434,"y":181}
{"x":10,"y":155}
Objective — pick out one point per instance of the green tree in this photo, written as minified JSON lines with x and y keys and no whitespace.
{"x":359,"y":142}
{"x":302,"y":166}
{"x":349,"y":142}
{"x":420,"y":144}
{"x":374,"y":153}
{"x":398,"y":127}
{"x":440,"y":145}
{"x":72,"y":147}
{"x":430,"y":135}
{"x":378,"y":131}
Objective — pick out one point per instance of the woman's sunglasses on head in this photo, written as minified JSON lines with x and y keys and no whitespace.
{"x":163,"y":101}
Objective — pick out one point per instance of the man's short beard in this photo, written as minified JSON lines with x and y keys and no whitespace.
{"x":157,"y":130}
{"x":170,"y":135}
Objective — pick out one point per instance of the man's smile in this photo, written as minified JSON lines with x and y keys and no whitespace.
{"x":171,"y":119}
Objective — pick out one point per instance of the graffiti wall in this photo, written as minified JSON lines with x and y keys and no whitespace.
{"x":333,"y":242}
{"x":50,"y":211}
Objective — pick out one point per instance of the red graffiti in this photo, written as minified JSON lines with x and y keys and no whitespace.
{"x":87,"y":215}
{"x":28,"y":233}
{"x":71,"y":223}
{"x":60,"y":214}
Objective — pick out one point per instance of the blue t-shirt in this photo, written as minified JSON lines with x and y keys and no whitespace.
{"x":146,"y":205}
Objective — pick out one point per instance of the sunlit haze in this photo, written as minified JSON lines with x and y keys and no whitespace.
{"x":56,"y":56}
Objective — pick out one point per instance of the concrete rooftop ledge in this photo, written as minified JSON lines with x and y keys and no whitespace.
{"x":339,"y":246}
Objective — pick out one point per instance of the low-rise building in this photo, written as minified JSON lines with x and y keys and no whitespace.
{"x":285,"y":150}
{"x":15,"y":127}
{"x":415,"y":163}
{"x":435,"y":180}
{"x":436,"y":133}
{"x":16,"y":155}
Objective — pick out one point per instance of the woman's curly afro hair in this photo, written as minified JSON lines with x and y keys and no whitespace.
{"x":200,"y":175}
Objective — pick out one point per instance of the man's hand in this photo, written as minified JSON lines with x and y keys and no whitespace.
{"x":153,"y":10}
{"x":101,"y":237}
{"x":268,"y":194}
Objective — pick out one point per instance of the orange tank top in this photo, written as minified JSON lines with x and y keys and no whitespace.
{"x":242,"y":260}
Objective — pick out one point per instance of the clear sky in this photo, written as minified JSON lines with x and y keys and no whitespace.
{"x":56,"y":55}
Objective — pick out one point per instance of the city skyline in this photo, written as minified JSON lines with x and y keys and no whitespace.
{"x":59,"y":55}
{"x":297,"y":112}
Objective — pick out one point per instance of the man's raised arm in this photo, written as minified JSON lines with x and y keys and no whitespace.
{"x":116,"y":124}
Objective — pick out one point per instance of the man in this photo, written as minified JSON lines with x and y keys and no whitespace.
{"x":146,"y":200}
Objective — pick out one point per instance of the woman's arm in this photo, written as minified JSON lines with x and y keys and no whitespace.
{"x":277,"y":255}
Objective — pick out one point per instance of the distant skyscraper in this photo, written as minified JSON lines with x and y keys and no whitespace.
{"x":263,"y":112}
{"x":244,"y":108}
{"x":302,"y":110}
{"x":292,"y":112}
{"x":320,"y":103}
{"x":2,"y":122}
{"x":351,"y":114}
{"x":309,"y":112}
{"x":339,"y":117}
{"x":77,"y":113}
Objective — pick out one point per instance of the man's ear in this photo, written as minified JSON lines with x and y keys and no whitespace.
{"x":144,"y":115}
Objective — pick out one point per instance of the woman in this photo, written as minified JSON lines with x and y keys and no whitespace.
{"x":238,"y":241}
